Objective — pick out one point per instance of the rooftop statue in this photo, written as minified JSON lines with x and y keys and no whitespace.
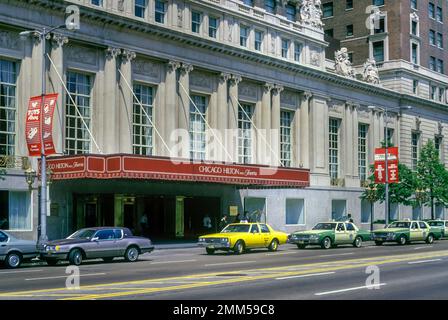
{"x":311,"y":13}
{"x":370,"y":73}
{"x":342,"y":64}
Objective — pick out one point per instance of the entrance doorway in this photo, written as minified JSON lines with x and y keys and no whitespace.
{"x":195,"y":209}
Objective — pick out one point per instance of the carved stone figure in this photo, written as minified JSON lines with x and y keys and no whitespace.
{"x":342,"y":64}
{"x":311,"y":13}
{"x":370,"y":73}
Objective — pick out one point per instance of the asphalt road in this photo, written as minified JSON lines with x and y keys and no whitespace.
{"x":416,"y":271}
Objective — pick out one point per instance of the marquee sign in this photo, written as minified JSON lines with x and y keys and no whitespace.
{"x":156,"y":168}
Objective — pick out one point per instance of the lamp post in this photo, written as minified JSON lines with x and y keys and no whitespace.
{"x":43,"y":35}
{"x":372,"y":197}
{"x":386,"y":110}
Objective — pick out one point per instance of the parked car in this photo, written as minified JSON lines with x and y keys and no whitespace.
{"x":238,"y":237}
{"x":92,"y":243}
{"x":442,"y":224}
{"x":328,"y":234}
{"x":14,"y":251}
{"x":406,"y":231}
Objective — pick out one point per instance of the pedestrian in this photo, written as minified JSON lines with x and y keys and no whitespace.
{"x":349,"y":217}
{"x":223,"y":223}
{"x":207,"y":223}
{"x":144,"y":224}
{"x":245,"y":217}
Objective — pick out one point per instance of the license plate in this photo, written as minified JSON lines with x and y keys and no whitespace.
{"x":301,"y":242}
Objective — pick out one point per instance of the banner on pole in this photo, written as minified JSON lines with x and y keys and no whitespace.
{"x":49,"y":106}
{"x":392,"y":165}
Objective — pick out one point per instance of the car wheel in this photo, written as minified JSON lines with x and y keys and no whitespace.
{"x":402,"y":240}
{"x":13,"y":260}
{"x":301,"y":246}
{"x":210,"y":250}
{"x":430,"y":239}
{"x":239,"y":247}
{"x":274,"y":245}
{"x":358,"y":242}
{"x":326,"y":243}
{"x":378,"y":243}
{"x":108,"y":259}
{"x":51,"y":262}
{"x":131,"y":254}
{"x":75,"y":257}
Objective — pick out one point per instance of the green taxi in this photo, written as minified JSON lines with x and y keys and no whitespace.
{"x":330,"y":234}
{"x":441,"y":224}
{"x":406,"y":231}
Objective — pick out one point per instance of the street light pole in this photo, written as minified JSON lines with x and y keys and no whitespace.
{"x":386,"y":185}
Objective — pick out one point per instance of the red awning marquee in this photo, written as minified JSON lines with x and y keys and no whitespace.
{"x":122,"y":166}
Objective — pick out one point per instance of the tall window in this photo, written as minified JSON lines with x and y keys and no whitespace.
{"x":378,"y":51}
{"x":349,"y":30}
{"x":8,"y":78}
{"x":269,"y":6}
{"x":285,"y":138}
{"x":362,"y":150}
{"x":432,"y":63}
{"x":140,"y":8}
{"x":290,"y":12}
{"x":415,"y":85}
{"x":415,"y":53}
{"x":77,"y":139}
{"x":15,"y":211}
{"x":414,"y":28}
{"x":160,"y":11}
{"x":438,"y":143}
{"x":258,"y":40}
{"x":334,"y":147}
{"x":439,"y":66}
{"x":245,"y":114}
{"x":212,"y":27}
{"x":431,"y":10}
{"x":348,"y":4}
{"x":390,"y":135}
{"x":433,"y":92}
{"x":195,"y":21}
{"x":142,"y":133}
{"x":439,"y":40}
{"x":197,"y":127}
{"x":244,"y":34}
{"x":285,"y":48}
{"x":327,"y":9}
{"x":439,"y":14}
{"x":415,"y":137}
{"x":414,"y":4}
{"x":381,"y":26}
{"x":378,"y":2}
{"x":432,"y":37}
{"x":441,"y":94}
{"x":298,"y":47}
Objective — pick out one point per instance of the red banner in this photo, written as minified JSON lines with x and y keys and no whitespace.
{"x":33,"y":125}
{"x":392,"y":165}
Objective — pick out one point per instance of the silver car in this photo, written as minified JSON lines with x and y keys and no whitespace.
{"x":93,"y":243}
{"x":13,"y":251}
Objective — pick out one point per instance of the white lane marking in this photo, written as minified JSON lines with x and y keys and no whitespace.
{"x":418,"y":248}
{"x":424,"y":261}
{"x":282,"y":252}
{"x":21,"y":271}
{"x":335,"y":255}
{"x":348,"y":289}
{"x":59,"y":277}
{"x":306,"y":275}
{"x":173,"y":261}
{"x":227,"y":263}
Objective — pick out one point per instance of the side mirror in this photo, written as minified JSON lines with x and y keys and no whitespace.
{"x":94,"y":239}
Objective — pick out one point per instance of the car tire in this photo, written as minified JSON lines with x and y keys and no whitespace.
{"x":239,"y":247}
{"x":378,"y":243}
{"x":51,"y":262}
{"x":108,"y":259}
{"x":131,"y":254}
{"x":210,"y":250}
{"x":75,"y":257}
{"x":273,"y":246}
{"x":301,"y":246}
{"x":326,"y":243}
{"x":402,"y":240}
{"x":358,"y":242}
{"x":13,"y":260}
{"x":430,"y":239}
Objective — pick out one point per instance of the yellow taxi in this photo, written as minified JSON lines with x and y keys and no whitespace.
{"x":238,"y":237}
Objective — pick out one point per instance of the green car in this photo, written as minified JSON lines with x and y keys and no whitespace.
{"x":403,"y":232}
{"x":441,"y":224}
{"x":328,"y":234}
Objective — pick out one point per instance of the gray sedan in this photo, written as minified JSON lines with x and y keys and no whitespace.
{"x":93,"y":243}
{"x":13,"y":251}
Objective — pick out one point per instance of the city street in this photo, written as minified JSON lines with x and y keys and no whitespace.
{"x":416,"y":271}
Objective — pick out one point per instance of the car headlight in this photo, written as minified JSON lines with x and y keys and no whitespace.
{"x":224,"y":240}
{"x":314,"y":237}
{"x":201,"y":239}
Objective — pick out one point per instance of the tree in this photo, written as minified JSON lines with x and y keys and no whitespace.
{"x":432,"y":177}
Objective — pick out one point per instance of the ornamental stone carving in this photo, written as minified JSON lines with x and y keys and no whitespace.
{"x":307,"y":95}
{"x":278,"y":88}
{"x":58,"y":40}
{"x":112,"y":53}
{"x":268,"y":87}
{"x":127,"y":55}
{"x":173,"y":65}
{"x":440,"y":128}
{"x":311,"y":13}
{"x":186,"y":68}
{"x":235,"y":79}
{"x":342,"y":64}
{"x":370,"y":73}
{"x":224,"y":77}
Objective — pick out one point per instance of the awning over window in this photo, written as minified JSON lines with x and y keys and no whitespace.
{"x":122,"y":166}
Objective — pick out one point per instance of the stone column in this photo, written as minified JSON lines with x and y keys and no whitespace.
{"x":221,"y":115}
{"x":275,"y":125}
{"x":305,"y":129}
{"x":110,"y":134}
{"x":170,"y":112}
{"x":265,"y":156}
{"x":183,"y":110}
{"x":232,"y":136}
{"x":126,"y":100}
{"x":36,"y":74}
{"x":55,"y":85}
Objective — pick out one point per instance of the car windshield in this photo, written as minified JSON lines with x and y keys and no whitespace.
{"x":399,"y":225}
{"x":236,"y":228}
{"x":325,"y":226}
{"x":436,"y":223}
{"x":82,"y":234}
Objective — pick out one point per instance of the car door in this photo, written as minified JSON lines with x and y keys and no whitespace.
{"x":266,"y":234}
{"x":120,"y":242}
{"x":3,"y":244}
{"x":424,"y":230}
{"x":415,"y":232}
{"x":351,"y":232}
{"x":340,"y":234}
{"x":254,"y":238}
{"x":105,"y":245}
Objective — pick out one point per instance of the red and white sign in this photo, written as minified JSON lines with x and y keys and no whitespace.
{"x":392,"y":165}
{"x":156,"y":168}
{"x":34,"y":124}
